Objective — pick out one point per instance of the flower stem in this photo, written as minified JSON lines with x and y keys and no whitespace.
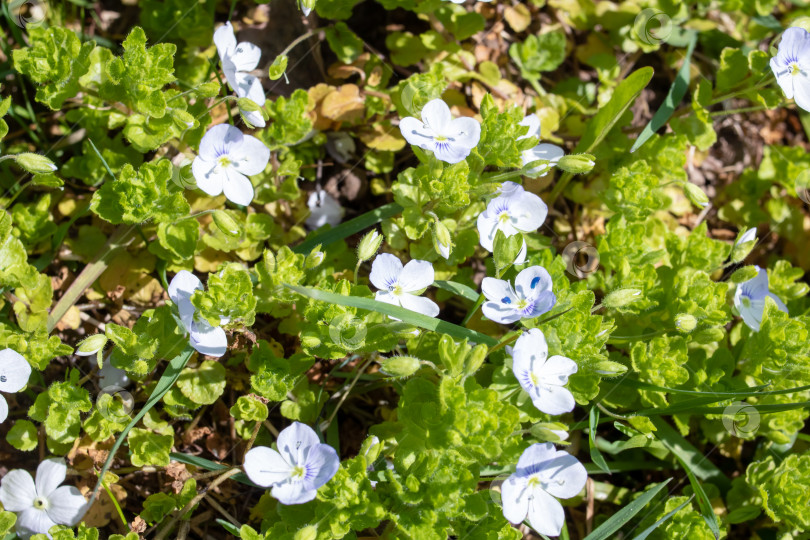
{"x":115,"y":503}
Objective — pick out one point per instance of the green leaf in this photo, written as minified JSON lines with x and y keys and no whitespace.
{"x":405,"y":315}
{"x":347,"y":228}
{"x":539,"y":53}
{"x":617,"y":520}
{"x":603,"y":121}
{"x":692,"y":459}
{"x":703,"y":501}
{"x":646,"y":532}
{"x":674,"y":97}
{"x":278,"y":67}
{"x":149,"y":448}
{"x":458,"y":289}
{"x":343,"y":42}
{"x":596,"y":455}
{"x":23,"y":436}
{"x":204,"y":384}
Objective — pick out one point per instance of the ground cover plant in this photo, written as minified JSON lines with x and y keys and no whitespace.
{"x":404,"y":269}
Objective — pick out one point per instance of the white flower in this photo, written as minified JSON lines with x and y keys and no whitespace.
{"x":238,"y":60}
{"x":546,"y":151}
{"x":401,"y":285}
{"x":791,"y":65}
{"x":542,"y":474}
{"x":226,"y":159}
{"x":517,"y":211}
{"x":449,"y":139}
{"x":542,"y":377}
{"x":531,"y":297}
{"x":323,"y":209}
{"x":41,"y":505}
{"x":749,"y":299}
{"x":207,"y":339}
{"x":748,"y":236}
{"x":14,"y":373}
{"x":301,"y":465}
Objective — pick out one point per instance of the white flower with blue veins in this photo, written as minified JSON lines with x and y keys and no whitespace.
{"x":301,"y":465}
{"x":531,"y":297}
{"x":206,"y":339}
{"x":226,"y":159}
{"x":450,"y":139}
{"x":749,"y":299}
{"x":401,"y":285}
{"x":513,"y":212}
{"x":791,"y":66}
{"x":42,"y":504}
{"x":546,"y":151}
{"x":543,"y":378}
{"x":543,"y":475}
{"x":14,"y":373}
{"x":238,"y":60}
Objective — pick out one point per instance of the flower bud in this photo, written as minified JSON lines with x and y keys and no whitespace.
{"x":226,"y":223}
{"x":35,"y":163}
{"x":314,"y":259}
{"x":91,"y":345}
{"x":801,"y":22}
{"x":621,"y":297}
{"x":248,"y":105}
{"x":269,"y":261}
{"x":549,"y":431}
{"x":369,"y":245}
{"x":182,"y":119}
{"x":279,"y":65}
{"x":744,"y":244}
{"x":609,"y":368}
{"x":685,"y":322}
{"x":576,"y":163}
{"x":400,"y":366}
{"x":695,"y":194}
{"x":442,"y":241}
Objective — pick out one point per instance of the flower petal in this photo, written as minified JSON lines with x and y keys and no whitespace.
{"x":17,"y":491}
{"x":553,"y":399}
{"x":465,"y":132}
{"x":801,"y":90}
{"x":255,"y":118}
{"x":546,"y":514}
{"x":449,"y":152}
{"x":436,"y":116}
{"x":219,"y":141}
{"x":208,"y":176}
{"x":207,"y":339}
{"x":416,"y":275}
{"x":324,"y":209}
{"x":419,"y":304}
{"x":564,"y":475}
{"x":295,"y":441}
{"x":246,"y":56}
{"x":293,"y":492}
{"x":527,"y":212}
{"x":321,"y":465}
{"x":532,"y":281}
{"x":50,"y":473}
{"x":416,"y":133}
{"x":534,"y":455}
{"x":225,"y":40}
{"x":237,"y":187}
{"x":14,"y":371}
{"x":500,"y":313}
{"x":496,"y":290}
{"x":540,"y":305}
{"x":181,"y":288}
{"x":557,"y":369}
{"x":515,"y":499}
{"x":531,"y":345}
{"x":67,"y":505}
{"x":783,"y":77}
{"x":33,"y":521}
{"x":487,"y":228}
{"x":251,"y":156}
{"x":3,"y":409}
{"x":265,"y":467}
{"x":533,"y":123}
{"x":385,"y":271}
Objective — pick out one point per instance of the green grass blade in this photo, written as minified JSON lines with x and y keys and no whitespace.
{"x":458,"y":289}
{"x":405,"y":315}
{"x":164,"y":384}
{"x":703,"y":502}
{"x":596,"y":455}
{"x":230,"y":527}
{"x":693,"y":460}
{"x":646,"y":532}
{"x":208,"y":465}
{"x":746,"y":392}
{"x":676,"y":92}
{"x":618,"y":520}
{"x":348,"y":228}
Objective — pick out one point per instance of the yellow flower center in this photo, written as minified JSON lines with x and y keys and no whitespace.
{"x":224,"y":161}
{"x":298,"y":472}
{"x":794,"y":69}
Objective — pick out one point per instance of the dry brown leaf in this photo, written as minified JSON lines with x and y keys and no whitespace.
{"x":344,"y":105}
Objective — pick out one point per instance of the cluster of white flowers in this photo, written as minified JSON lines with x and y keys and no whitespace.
{"x":238,"y":60}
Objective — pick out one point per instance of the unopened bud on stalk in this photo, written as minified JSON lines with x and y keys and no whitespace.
{"x":685,"y":322}
{"x":442,"y":241}
{"x":621,"y":298}
{"x":695,"y":194}
{"x":34,"y":163}
{"x":369,"y":245}
{"x":400,"y":366}
{"x":226,"y":223}
{"x":576,"y":163}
